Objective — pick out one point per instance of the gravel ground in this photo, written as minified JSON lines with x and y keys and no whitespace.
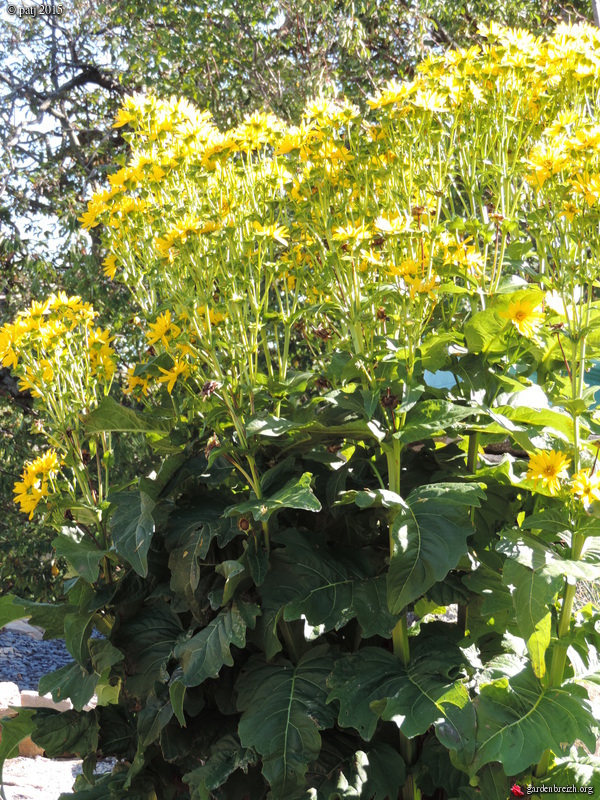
{"x":43,"y":778}
{"x":24,"y":660}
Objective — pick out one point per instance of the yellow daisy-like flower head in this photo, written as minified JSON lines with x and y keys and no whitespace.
{"x":33,"y":486}
{"x":277,"y":232}
{"x":549,"y":467}
{"x":162,"y":330}
{"x":406,"y":267}
{"x":110,"y":266}
{"x":421,"y":286}
{"x":586,"y":486}
{"x":170,"y":376}
{"x":525,"y":316}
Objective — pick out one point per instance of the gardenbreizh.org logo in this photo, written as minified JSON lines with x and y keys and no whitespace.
{"x":520,"y":791}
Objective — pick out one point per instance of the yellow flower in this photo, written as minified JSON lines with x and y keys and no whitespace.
{"x":351,"y":233}
{"x":170,"y":376}
{"x":123,"y":117}
{"x":102,"y":362}
{"x":586,"y":486}
{"x":9,"y":337}
{"x":277,"y":232}
{"x":29,"y":496}
{"x":547,"y":160}
{"x":256,"y":130}
{"x":89,"y":219}
{"x":214,"y":316}
{"x":165,"y":243}
{"x":548,"y":467}
{"x":395,"y":92}
{"x":162,"y":330}
{"x":33,"y":485}
{"x":110,"y":266}
{"x":134,"y":381}
{"x":421,"y":285}
{"x":331,"y":152}
{"x":99,"y":337}
{"x":407,"y":267}
{"x":392,"y":224}
{"x":429,"y":100}
{"x":588,"y":186}
{"x":569,"y":210}
{"x":526,"y":317}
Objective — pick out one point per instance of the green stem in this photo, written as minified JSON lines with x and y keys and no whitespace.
{"x":559,"y":650}
{"x":472,"y":452}
{"x":463,"y":610}
{"x":256,"y":485}
{"x":408,"y":747}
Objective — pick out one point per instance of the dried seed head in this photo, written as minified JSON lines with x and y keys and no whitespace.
{"x":211,"y":444}
{"x":209,"y":388}
{"x":322,"y":332}
{"x":389,"y":400}
{"x":322,"y":383}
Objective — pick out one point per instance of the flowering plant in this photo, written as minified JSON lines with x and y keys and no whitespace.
{"x":345,"y":321}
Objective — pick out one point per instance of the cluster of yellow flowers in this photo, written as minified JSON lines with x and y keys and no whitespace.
{"x":36,"y":481}
{"x":65,"y":362}
{"x":549,"y":467}
{"x":48,"y":339}
{"x":344,"y":178}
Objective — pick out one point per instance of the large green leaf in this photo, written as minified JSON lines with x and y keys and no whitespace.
{"x":431,"y":417}
{"x":14,"y":730}
{"x":295,"y":494}
{"x":583,"y":771}
{"x":10,"y":609}
{"x":206,"y":518}
{"x":284,"y":707}
{"x":373,"y":684}
{"x":533,"y":594}
{"x":148,"y":640}
{"x":435,"y":770}
{"x":375,"y":772}
{"x":71,"y":681}
{"x":517,"y":720}
{"x":83,"y":555}
{"x":226,"y":755}
{"x":49,"y":616}
{"x":557,"y":422}
{"x":429,"y":535}
{"x":67,"y":732}
{"x":78,"y":629}
{"x":150,"y":722}
{"x":185,"y":569}
{"x":111,"y":416}
{"x":486,"y":332}
{"x":327,"y":586}
{"x":204,"y":654}
{"x":104,"y":654}
{"x":269,"y":426}
{"x":132,"y":527}
{"x":546,"y":560}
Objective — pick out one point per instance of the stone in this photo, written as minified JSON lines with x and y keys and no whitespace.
{"x":24,"y":627}
{"x":31,"y":699}
{"x":9,"y":696}
{"x":29,"y":749}
{"x":43,"y":778}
